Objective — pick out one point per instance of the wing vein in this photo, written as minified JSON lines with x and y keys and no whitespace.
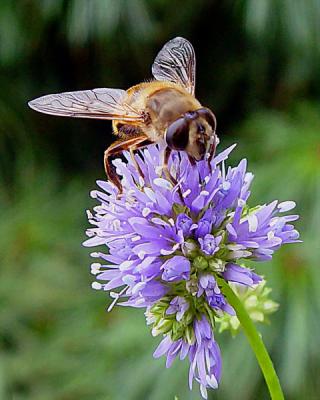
{"x":101,"y":103}
{"x":176,"y":63}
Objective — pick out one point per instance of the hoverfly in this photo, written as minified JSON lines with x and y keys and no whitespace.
{"x":164,"y":109}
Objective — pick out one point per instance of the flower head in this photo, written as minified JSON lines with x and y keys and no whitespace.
{"x":167,"y":247}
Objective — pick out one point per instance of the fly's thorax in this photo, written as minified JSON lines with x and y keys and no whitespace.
{"x":167,"y":104}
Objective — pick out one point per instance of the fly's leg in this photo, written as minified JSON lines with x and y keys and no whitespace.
{"x":130,"y":131}
{"x":137,"y":166}
{"x":165,"y":168}
{"x":212,"y":151}
{"x":118,"y":147}
{"x":166,"y":171}
{"x":192,"y":160}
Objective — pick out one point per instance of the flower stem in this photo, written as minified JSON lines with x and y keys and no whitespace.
{"x":255,"y":341}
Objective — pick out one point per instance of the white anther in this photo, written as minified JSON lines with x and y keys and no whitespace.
{"x":141,"y":254}
{"x":186,"y":193}
{"x":171,"y":221}
{"x":96,"y":285}
{"x":270,"y":235}
{"x":241,"y":203}
{"x":141,"y":181}
{"x":286,"y":206}
{"x":162,"y":183}
{"x":226,"y":185}
{"x":146,"y":211}
{"x":253,"y":222}
{"x":95,"y":268}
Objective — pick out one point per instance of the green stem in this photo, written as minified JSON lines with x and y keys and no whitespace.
{"x":255,"y":341}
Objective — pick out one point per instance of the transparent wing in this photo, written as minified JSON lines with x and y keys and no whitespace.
{"x":176,"y":62}
{"x":99,"y":103}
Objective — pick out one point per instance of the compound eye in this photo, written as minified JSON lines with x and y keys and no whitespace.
{"x":208,"y":116}
{"x":177,"y":135}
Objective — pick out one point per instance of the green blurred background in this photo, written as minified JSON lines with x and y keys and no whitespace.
{"x":258,"y":69}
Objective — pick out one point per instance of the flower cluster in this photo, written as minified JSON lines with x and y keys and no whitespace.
{"x":167,"y":247}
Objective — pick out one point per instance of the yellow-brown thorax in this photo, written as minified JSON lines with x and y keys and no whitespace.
{"x":162,"y":102}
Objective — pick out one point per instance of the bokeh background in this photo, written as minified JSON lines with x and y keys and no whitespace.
{"x":258,"y":68}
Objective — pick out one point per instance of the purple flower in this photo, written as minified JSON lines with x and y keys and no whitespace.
{"x":184,"y":223}
{"x":204,"y":355}
{"x":179,"y":305}
{"x":176,"y":268}
{"x":210,"y":244}
{"x":264,"y":230}
{"x":204,"y":228}
{"x":208,"y":286}
{"x":166,"y":247}
{"x":241,"y":275}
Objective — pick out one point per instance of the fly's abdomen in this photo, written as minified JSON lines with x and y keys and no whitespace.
{"x":126,"y":130}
